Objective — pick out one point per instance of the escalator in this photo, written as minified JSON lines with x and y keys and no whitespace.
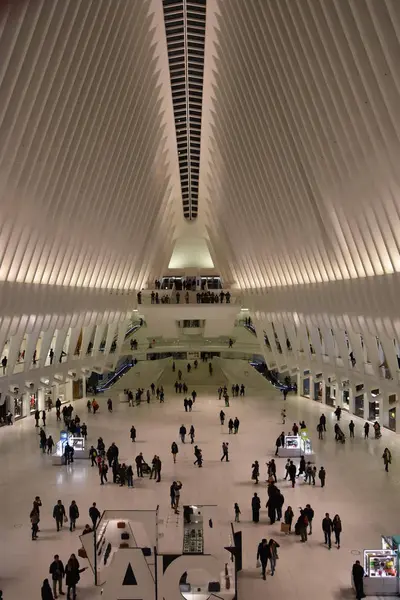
{"x":124,"y":364}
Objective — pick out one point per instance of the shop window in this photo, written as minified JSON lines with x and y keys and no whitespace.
{"x":373,"y":413}
{"x":18,"y":408}
{"x":392,"y":419}
{"x":33,"y":403}
{"x":346,"y":399}
{"x":359,"y":405}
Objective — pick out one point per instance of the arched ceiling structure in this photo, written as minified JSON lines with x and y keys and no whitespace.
{"x":301,"y":171}
{"x":300,"y":123}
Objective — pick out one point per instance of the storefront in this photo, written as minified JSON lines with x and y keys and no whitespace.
{"x":33,"y":402}
{"x":306,"y":384}
{"x":359,"y":405}
{"x":318,"y":391}
{"x":18,"y":408}
{"x":330,"y":394}
{"x":392,"y":419}
{"x":373,"y":412}
{"x":346,"y":400}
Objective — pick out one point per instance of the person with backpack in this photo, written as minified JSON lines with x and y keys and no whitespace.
{"x":93,"y":455}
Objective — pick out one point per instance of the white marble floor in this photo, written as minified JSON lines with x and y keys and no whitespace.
{"x":357,"y":488}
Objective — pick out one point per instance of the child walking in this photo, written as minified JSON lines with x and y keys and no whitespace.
{"x":237,"y":512}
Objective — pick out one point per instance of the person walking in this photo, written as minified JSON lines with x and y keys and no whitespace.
{"x":93,"y":455}
{"x":237,"y":512}
{"x":225,"y":451}
{"x":103,"y":470}
{"x":273,"y":554}
{"x":277,"y":445}
{"x":157,"y":472}
{"x":255,"y":507}
{"x":129,"y":476}
{"x":301,"y":525}
{"x":174,"y":450}
{"x":133,"y":434}
{"x":292,"y":473}
{"x":255,"y":474}
{"x":230,"y":426}
{"x":34,"y":517}
{"x":182,"y":433}
{"x":338,"y":412}
{"x":351,"y":428}
{"x":320,"y":429}
{"x":50,"y":444}
{"x":287,"y":468}
{"x":309,"y":512}
{"x":44,"y":418}
{"x":222,"y":417}
{"x":327,"y":527}
{"x":272,"y":469}
{"x":263,"y":554}
{"x":37,"y":417}
{"x":337,"y":529}
{"x":322,"y":476}
{"x":387,"y":458}
{"x":110,"y":405}
{"x":358,"y":578}
{"x":57,"y":573}
{"x":94,"y":514}
{"x":73,"y":515}
{"x":236,"y":424}
{"x":59,"y":514}
{"x":288,"y":517}
{"x":46,"y":592}
{"x":199,"y":457}
{"x":139,"y":460}
{"x":366,"y":432}
{"x":322,"y":421}
{"x":192,"y":434}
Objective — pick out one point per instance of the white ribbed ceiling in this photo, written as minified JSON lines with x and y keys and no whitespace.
{"x":303,"y":126}
{"x":299,"y":178}
{"x":87,"y":175}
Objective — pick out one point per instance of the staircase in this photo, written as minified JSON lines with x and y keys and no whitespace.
{"x":196,"y":377}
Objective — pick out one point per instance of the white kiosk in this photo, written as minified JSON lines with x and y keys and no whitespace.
{"x":77,"y":443}
{"x":296,"y":446}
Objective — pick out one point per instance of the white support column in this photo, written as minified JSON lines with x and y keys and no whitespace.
{"x":40,"y":399}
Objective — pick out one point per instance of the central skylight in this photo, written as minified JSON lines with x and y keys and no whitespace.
{"x":185,"y":27}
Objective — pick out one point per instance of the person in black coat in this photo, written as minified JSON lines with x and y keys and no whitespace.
{"x":73,"y":515}
{"x":358,"y":578}
{"x":327,"y":527}
{"x":255,"y":507}
{"x":57,"y":573}
{"x":47,"y":594}
{"x":94,"y":514}
{"x":263,"y":554}
{"x":133,"y":434}
{"x":280,"y":500}
{"x":59,"y":514}
{"x":72,"y":576}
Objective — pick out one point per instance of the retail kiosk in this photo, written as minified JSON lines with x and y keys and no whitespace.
{"x":382,"y":568}
{"x":296,"y":446}
{"x":77,"y":443}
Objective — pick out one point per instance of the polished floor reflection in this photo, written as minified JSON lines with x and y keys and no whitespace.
{"x":357,"y":488}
